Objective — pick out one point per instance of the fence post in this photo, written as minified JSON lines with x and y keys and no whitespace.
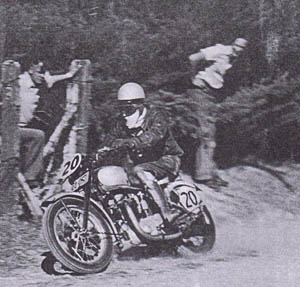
{"x":10,"y":111}
{"x":78,"y":105}
{"x":10,"y":150}
{"x":84,"y":80}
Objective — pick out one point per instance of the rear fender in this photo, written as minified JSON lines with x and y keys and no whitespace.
{"x":98,"y":205}
{"x":177,"y":183}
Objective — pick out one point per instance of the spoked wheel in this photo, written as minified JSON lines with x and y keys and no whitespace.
{"x":203,"y":233}
{"x":82,"y":251}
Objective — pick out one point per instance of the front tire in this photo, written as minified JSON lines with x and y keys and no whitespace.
{"x":203,"y":233}
{"x":82,"y":251}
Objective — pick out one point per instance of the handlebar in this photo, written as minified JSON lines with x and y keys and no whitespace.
{"x":101,"y":155}
{"x":105,"y":150}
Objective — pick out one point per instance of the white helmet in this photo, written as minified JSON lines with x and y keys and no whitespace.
{"x":131,"y":92}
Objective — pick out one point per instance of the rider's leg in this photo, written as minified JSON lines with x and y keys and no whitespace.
{"x":148,"y":179}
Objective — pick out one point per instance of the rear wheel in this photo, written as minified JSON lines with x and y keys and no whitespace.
{"x":202,"y":235}
{"x":82,"y":251}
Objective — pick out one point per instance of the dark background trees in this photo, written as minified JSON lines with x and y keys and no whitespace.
{"x":149,"y":42}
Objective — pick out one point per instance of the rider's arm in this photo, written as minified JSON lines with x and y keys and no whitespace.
{"x":158,"y":128}
{"x":115,"y":133}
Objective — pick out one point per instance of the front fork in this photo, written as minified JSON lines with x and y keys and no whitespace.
{"x":86,"y":203}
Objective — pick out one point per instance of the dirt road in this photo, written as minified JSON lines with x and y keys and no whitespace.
{"x":258,"y":231}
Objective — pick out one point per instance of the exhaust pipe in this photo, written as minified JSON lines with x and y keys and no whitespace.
{"x":138,"y":229}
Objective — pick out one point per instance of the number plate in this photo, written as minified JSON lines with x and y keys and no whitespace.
{"x":81,"y":181}
{"x":189,"y":198}
{"x":71,"y":166}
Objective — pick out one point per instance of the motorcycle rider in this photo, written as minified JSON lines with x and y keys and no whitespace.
{"x":145,"y":131}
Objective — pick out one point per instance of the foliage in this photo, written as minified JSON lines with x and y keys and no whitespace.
{"x":149,"y":42}
{"x":263,"y":120}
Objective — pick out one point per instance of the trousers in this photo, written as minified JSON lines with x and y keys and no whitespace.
{"x":205,"y":167}
{"x":148,"y":173}
{"x":31,"y":150}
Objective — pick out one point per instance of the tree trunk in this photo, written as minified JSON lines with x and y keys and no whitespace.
{"x":271,"y":27}
{"x":10,"y":134}
{"x":3,"y":18}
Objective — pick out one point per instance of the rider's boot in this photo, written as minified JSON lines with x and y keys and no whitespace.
{"x":161,"y":200}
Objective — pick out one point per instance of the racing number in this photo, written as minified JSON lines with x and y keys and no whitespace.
{"x":75,"y":162}
{"x":71,"y":166}
{"x":190,"y":199}
{"x":67,"y":165}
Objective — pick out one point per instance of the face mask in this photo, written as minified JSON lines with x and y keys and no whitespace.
{"x":132,"y":120}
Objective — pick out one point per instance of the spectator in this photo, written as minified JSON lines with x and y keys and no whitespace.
{"x":209,"y":79}
{"x":32,"y":140}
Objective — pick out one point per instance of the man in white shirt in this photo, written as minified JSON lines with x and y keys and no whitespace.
{"x":210,"y":80}
{"x":32,"y":140}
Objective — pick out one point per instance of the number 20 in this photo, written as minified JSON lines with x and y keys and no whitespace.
{"x":71,"y":166}
{"x":190,"y":199}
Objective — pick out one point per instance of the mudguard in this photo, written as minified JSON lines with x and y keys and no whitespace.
{"x":188,"y":195}
{"x":178,"y":183}
{"x":98,"y":205}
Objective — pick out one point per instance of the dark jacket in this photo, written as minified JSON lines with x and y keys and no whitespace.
{"x":152,"y":141}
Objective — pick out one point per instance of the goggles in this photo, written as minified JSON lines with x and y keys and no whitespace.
{"x":128,"y":108}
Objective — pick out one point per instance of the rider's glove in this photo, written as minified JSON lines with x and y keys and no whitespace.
{"x":125,"y":143}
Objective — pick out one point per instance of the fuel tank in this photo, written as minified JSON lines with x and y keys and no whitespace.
{"x":112,"y":175}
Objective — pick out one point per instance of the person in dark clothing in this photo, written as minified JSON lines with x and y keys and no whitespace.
{"x":145,"y":132}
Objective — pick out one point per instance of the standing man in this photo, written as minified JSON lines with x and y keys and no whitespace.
{"x":32,"y":140}
{"x":218,"y":60}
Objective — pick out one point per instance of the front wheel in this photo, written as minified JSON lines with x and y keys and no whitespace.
{"x":82,"y":251}
{"x":202,"y":234}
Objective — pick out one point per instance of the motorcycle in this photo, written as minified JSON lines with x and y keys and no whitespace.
{"x":103,"y":212}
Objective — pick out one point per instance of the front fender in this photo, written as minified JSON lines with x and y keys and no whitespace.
{"x":54,"y":197}
{"x":98,"y":205}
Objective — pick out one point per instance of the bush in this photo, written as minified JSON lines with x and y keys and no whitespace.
{"x":262,"y":120}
